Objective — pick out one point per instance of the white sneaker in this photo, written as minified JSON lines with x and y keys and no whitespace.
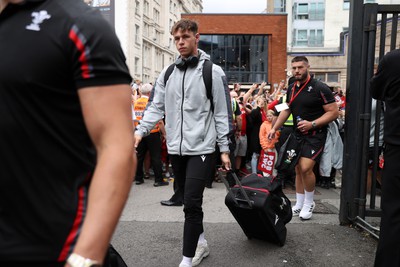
{"x":202,"y":251}
{"x":306,"y":211}
{"x":184,"y":265}
{"x":296,"y":211}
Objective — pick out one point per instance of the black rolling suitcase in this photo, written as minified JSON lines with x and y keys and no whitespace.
{"x":260,"y":207}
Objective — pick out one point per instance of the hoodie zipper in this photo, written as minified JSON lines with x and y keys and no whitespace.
{"x":183,"y":99}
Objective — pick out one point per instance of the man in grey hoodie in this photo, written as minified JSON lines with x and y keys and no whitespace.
{"x":193,"y":128}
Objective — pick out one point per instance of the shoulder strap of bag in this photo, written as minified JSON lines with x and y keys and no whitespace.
{"x":207,"y":78}
{"x":168,"y":73}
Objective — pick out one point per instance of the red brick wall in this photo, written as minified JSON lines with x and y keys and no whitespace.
{"x":275,"y":26}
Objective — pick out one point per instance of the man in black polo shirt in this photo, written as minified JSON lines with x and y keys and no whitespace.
{"x":385,"y":86}
{"x":66,"y":142}
{"x":313,"y":106}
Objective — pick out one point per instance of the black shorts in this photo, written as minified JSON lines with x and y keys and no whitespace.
{"x":313,"y":145}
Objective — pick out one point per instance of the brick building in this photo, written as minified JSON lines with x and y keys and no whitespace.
{"x":249,"y":47}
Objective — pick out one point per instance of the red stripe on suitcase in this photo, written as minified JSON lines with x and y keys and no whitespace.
{"x":252,"y":188}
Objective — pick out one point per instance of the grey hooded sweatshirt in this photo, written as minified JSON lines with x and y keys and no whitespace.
{"x":192,"y":127}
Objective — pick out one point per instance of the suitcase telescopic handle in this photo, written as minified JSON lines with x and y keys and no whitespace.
{"x":246,"y":196}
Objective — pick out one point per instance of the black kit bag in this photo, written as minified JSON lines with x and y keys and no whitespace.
{"x":113,"y":258}
{"x":260,"y":207}
{"x":289,"y":153}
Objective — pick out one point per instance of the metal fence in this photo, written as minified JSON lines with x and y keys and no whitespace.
{"x":374,"y":32}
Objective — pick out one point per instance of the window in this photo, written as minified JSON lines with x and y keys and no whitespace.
{"x":346,"y":4}
{"x":317,"y":11}
{"x":319,"y":77}
{"x":301,"y":11}
{"x":159,"y":61}
{"x":170,"y":24}
{"x":327,"y":77}
{"x":146,"y":29}
{"x":369,"y":1}
{"x":136,"y":65}
{"x":157,"y":36}
{"x":316,"y":38}
{"x":300,"y":38}
{"x":333,"y":77}
{"x":146,"y":77}
{"x":244,"y":58}
{"x":137,"y":7}
{"x":171,"y":5}
{"x":308,"y":38}
{"x":279,"y":6}
{"x":146,"y":8}
{"x":156,"y":15}
{"x":146,"y":56}
{"x":137,"y":34}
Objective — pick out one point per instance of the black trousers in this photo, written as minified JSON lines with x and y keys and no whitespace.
{"x":150,"y":143}
{"x":388,"y":251}
{"x":191,"y":173}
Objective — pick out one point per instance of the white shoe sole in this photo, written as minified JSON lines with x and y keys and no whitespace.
{"x":205,"y":254}
{"x":309,"y":215}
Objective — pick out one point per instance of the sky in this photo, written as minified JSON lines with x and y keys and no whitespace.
{"x":234,"y":6}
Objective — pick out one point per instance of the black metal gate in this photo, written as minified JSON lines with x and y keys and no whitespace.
{"x":374,"y":32}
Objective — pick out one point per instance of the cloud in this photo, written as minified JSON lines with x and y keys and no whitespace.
{"x":234,"y":6}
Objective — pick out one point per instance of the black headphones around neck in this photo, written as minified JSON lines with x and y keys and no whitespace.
{"x":191,"y":62}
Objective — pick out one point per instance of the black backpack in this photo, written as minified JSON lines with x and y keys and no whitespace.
{"x":207,"y":78}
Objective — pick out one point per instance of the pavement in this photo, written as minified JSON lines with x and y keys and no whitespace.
{"x":150,"y":235}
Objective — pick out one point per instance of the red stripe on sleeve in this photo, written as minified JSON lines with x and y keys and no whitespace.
{"x":323,"y":98}
{"x":82,"y":58}
{"x":73,"y":234}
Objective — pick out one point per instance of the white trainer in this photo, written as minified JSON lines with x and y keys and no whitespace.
{"x":307,"y":210}
{"x":202,"y":251}
{"x":296,"y":211}
{"x":184,"y":265}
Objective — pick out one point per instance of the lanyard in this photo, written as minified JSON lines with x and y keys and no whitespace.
{"x":293,"y":97}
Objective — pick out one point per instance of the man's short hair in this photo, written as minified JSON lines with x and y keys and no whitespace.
{"x":185,"y":24}
{"x":299,"y":59}
{"x":146,"y":88}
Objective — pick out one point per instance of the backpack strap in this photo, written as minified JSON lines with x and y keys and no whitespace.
{"x":207,"y":78}
{"x":168,"y":73}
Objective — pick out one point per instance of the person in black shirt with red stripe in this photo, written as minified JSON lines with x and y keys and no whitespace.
{"x":314,"y":104}
{"x":66,"y":141}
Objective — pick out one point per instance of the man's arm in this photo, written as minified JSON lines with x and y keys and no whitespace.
{"x":222,"y":113}
{"x":249,"y":93}
{"x":162,"y":129}
{"x":379,"y":81}
{"x":283,"y":116}
{"x":107,"y":115}
{"x":261,"y":88}
{"x":331,"y":114}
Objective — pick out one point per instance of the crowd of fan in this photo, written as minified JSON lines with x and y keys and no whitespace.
{"x":253,"y":110}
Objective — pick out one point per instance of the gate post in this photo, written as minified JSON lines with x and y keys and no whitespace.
{"x":352,"y":144}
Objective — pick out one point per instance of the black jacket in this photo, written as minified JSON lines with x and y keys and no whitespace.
{"x":385,"y":86}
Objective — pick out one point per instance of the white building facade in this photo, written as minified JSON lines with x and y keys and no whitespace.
{"x":143,"y":27}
